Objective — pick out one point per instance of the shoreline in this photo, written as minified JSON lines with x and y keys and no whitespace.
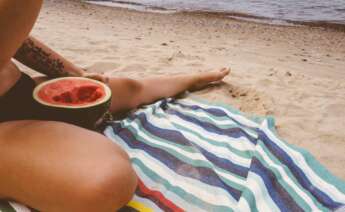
{"x":336,"y":25}
{"x":294,"y":73}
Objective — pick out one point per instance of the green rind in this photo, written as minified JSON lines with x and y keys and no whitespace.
{"x":83,"y":117}
{"x":86,"y":117}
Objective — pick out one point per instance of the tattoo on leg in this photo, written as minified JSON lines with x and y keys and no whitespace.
{"x":38,"y":59}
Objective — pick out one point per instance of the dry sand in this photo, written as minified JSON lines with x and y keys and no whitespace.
{"x":296,"y":74}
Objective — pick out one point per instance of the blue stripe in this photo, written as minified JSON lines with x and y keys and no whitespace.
{"x":203,"y":174}
{"x":214,"y":111}
{"x":166,"y":134}
{"x":220,"y":162}
{"x":285,"y":159}
{"x":224,"y":164}
{"x":322,"y":197}
{"x":278,"y":194}
{"x":234,"y":132}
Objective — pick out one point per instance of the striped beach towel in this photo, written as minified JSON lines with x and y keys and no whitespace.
{"x":190,"y":155}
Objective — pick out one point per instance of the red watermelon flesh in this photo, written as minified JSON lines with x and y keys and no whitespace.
{"x":71,"y":92}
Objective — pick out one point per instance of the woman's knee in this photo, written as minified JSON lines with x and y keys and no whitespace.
{"x":96,"y":175}
{"x":107,"y":180}
{"x":107,"y":190}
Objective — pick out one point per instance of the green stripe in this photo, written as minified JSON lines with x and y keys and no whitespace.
{"x":311,"y":161}
{"x":209,"y":117}
{"x":213,"y":120}
{"x":213,"y":142}
{"x":246,"y":154}
{"x":124,"y":124}
{"x":320,"y":170}
{"x":190,"y":198}
{"x":233,"y":110}
{"x":248,"y":195}
{"x":195,"y":163}
{"x":300,"y":201}
{"x":175,"y":189}
{"x":6,"y":207}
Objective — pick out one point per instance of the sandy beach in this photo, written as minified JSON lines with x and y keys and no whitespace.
{"x":294,"y":73}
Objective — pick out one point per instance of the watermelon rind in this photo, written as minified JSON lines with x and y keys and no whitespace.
{"x":83,"y":115}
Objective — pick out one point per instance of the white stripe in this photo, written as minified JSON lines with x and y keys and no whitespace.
{"x":243,"y":120}
{"x":299,"y":160}
{"x":203,"y":114}
{"x":241,"y":144}
{"x":229,"y":177}
{"x":170,"y":195}
{"x":207,"y":193}
{"x":263,"y":200}
{"x":189,"y":155}
{"x":215,"y":195}
{"x":220,"y":151}
{"x":210,"y":193}
{"x":297,"y":157}
{"x":19,"y":207}
{"x":138,"y":132}
{"x":225,"y":121}
{"x":243,"y":204}
{"x":287,"y":179}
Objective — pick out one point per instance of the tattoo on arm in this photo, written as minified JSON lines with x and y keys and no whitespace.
{"x":40,"y":60}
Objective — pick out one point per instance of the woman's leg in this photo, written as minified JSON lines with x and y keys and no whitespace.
{"x":129,"y":93}
{"x":16,"y":20}
{"x":58,"y":167}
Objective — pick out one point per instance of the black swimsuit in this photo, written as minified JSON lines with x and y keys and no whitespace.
{"x":18,"y":102}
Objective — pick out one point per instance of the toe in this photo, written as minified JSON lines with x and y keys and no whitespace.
{"x":225,"y":71}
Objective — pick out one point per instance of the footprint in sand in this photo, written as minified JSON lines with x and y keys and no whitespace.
{"x":178,"y":56}
{"x":252,"y":101}
{"x":247,"y":100}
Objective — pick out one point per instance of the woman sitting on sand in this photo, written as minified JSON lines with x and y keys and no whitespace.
{"x":53,"y":166}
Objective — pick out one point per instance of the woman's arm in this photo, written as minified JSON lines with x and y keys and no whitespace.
{"x":17,"y":17}
{"x":41,"y":58}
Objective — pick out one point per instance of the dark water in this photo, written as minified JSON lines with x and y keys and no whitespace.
{"x":314,"y":11}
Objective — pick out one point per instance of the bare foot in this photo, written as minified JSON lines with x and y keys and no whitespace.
{"x":205,"y":79}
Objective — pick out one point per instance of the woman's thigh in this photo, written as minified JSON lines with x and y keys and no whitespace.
{"x":53,"y":166}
